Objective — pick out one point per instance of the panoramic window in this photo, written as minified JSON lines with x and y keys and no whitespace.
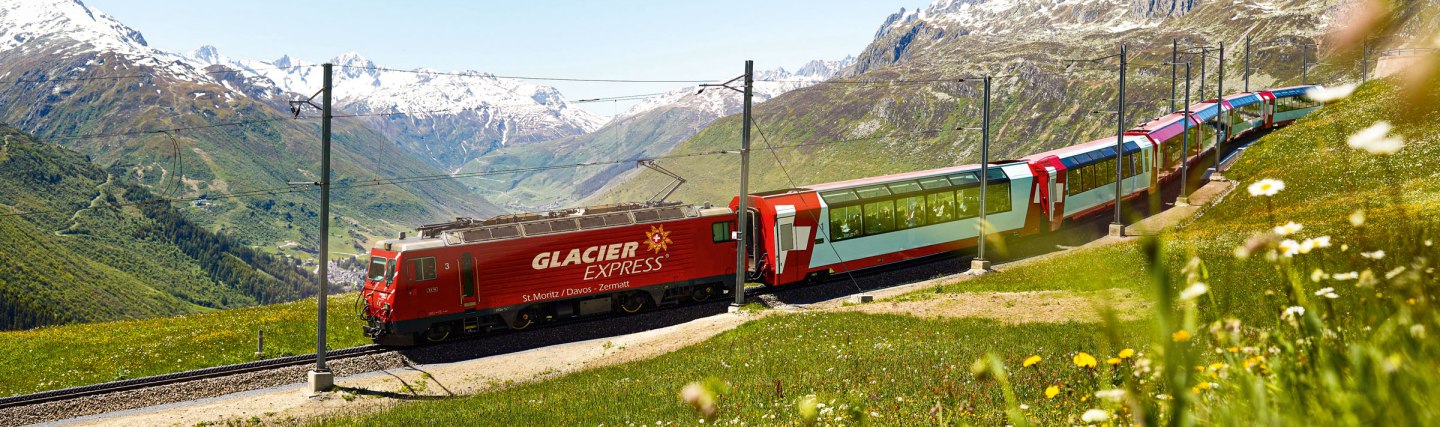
{"x":879,"y":217}
{"x":997,"y":199}
{"x":845,"y":222}
{"x":910,"y":212}
{"x":942,"y":207}
{"x":969,"y":200}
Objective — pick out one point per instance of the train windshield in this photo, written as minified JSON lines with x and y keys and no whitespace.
{"x":377,"y":269}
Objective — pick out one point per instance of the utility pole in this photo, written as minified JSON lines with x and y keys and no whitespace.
{"x":1365,"y":61}
{"x":1221,"y":118}
{"x":321,"y":379}
{"x":980,"y":265}
{"x":1174,"y":56}
{"x":1117,"y":228}
{"x":741,"y":250}
{"x":1184,"y":199}
{"x":1304,"y":64}
{"x":1204,"y":55}
{"x":1247,"y":62}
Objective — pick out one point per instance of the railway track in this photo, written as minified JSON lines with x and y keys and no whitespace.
{"x":180,"y":377}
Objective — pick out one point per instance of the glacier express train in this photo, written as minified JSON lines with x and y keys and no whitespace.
{"x":516,"y":271}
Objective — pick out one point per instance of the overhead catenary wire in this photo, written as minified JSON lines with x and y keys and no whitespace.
{"x":141,"y":76}
{"x":516,"y":77}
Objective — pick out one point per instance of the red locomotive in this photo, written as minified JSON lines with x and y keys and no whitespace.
{"x":513,"y":271}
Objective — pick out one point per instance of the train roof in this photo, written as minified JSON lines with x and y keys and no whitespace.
{"x":1164,"y":127}
{"x":1242,"y":99}
{"x":1103,"y":145}
{"x":470,"y":230}
{"x":904,"y":176}
{"x":1292,"y":91}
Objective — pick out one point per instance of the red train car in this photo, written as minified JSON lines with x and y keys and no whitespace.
{"x":515,"y":271}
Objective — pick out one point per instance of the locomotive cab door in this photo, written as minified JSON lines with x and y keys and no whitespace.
{"x":468,"y":296}
{"x":754,"y":249}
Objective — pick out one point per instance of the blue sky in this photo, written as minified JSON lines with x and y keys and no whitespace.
{"x":619,"y":39}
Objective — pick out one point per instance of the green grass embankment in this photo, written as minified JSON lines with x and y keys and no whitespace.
{"x":1230,"y":355}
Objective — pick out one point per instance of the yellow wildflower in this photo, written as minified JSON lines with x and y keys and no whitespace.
{"x":1113,"y":361}
{"x":1127,"y":353}
{"x":1233,"y":349}
{"x":1180,"y":335}
{"x":1085,"y":360}
{"x":1031,"y":361}
{"x":1052,"y":391}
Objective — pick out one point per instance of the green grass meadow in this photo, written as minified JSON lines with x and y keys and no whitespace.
{"x":1336,"y":335}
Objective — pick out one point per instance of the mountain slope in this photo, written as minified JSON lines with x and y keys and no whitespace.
{"x":79,"y":72}
{"x":904,"y":103}
{"x":449,"y":118}
{"x":649,"y":129}
{"x":63,"y":264}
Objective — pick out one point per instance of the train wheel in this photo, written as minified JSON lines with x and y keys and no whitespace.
{"x":526,"y":318}
{"x":632,"y":302}
{"x":702,"y":292}
{"x":438,"y":333}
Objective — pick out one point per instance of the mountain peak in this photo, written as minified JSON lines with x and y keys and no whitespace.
{"x":208,"y":55}
{"x":39,"y":22}
{"x":352,"y":59}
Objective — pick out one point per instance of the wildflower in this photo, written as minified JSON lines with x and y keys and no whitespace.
{"x":1418,"y":331}
{"x":1322,"y":241}
{"x":1288,"y":229}
{"x":1330,"y":94}
{"x":1357,"y":218}
{"x":1031,"y":361}
{"x":1022,"y":407}
{"x":1293,"y":313}
{"x":1376,"y":139}
{"x":1378,"y":254}
{"x":1318,"y":275}
{"x":1094,"y":416}
{"x":1346,"y":276}
{"x":1052,"y":391}
{"x":807,"y":408}
{"x":1429,"y":242}
{"x":1289,"y":248}
{"x":1127,"y":353}
{"x":1395,"y":272}
{"x":1266,"y":187}
{"x":1084,"y":360}
{"x":1194,"y":291}
{"x":1112,"y":361}
{"x":1327,"y":292}
{"x":1180,"y":335}
{"x":1113,"y":395}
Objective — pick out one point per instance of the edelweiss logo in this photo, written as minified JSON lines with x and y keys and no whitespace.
{"x":657,"y":239}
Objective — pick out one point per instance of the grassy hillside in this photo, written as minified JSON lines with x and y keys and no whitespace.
{"x":1358,"y":358}
{"x":1040,"y":100}
{"x":63,"y":264}
{"x":661,"y":129}
{"x":216,"y":158}
{"x":72,"y":355}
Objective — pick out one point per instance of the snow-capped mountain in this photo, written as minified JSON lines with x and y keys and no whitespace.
{"x":68,"y":27}
{"x":448,"y":118}
{"x":768,"y":84}
{"x":651,"y":128}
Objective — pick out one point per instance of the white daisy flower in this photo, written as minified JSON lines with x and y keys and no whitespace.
{"x":1194,"y":291}
{"x":1266,"y":187}
{"x":1346,"y":276}
{"x":1094,"y":416}
{"x":1327,"y":292}
{"x":1378,"y":254}
{"x":1376,"y":139}
{"x":1293,"y":312}
{"x":1288,"y":248}
{"x":1288,"y":229}
{"x":1330,"y":94}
